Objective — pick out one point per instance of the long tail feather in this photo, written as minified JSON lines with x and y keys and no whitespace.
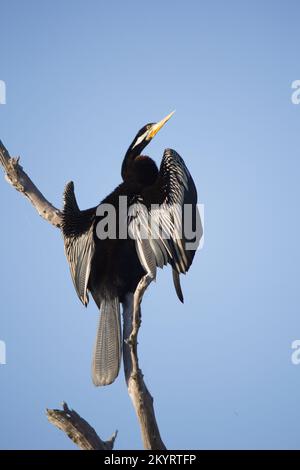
{"x":108,"y":349}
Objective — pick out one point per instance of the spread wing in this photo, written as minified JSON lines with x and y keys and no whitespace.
{"x":165,"y":222}
{"x":77,"y":230}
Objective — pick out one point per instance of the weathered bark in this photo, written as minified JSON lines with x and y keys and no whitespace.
{"x":17,"y":177}
{"x":68,"y":420}
{"x":78,"y":430}
{"x":137,"y":389}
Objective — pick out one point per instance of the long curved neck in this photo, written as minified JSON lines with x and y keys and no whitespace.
{"x":128,"y":161}
{"x":139,"y":170}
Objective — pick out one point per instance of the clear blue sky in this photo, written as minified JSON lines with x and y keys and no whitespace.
{"x":82,"y":77}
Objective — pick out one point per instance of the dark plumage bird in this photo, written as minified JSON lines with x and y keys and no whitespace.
{"x":111,"y":268}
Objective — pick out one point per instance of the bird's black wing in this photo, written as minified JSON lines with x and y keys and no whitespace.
{"x":77,"y":229}
{"x":156,"y":220}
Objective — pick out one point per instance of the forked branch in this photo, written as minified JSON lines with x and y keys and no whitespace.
{"x":79,"y":430}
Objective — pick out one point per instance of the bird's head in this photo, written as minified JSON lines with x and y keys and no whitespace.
{"x":146,"y":134}
{"x":141,"y":140}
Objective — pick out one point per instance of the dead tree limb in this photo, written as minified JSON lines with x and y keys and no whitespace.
{"x":68,"y":420}
{"x":137,"y":389}
{"x":78,"y":430}
{"x":16,"y":176}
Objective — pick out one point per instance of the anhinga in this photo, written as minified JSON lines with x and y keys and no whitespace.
{"x":111,"y":269}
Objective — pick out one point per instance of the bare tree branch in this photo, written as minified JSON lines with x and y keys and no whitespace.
{"x":17,"y":177}
{"x":78,"y":430}
{"x":137,"y":389}
{"x":68,"y":420}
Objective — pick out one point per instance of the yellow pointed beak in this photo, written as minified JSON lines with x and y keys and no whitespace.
{"x":156,"y":127}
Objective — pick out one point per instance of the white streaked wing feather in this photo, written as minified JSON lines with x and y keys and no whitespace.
{"x":163,"y":223}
